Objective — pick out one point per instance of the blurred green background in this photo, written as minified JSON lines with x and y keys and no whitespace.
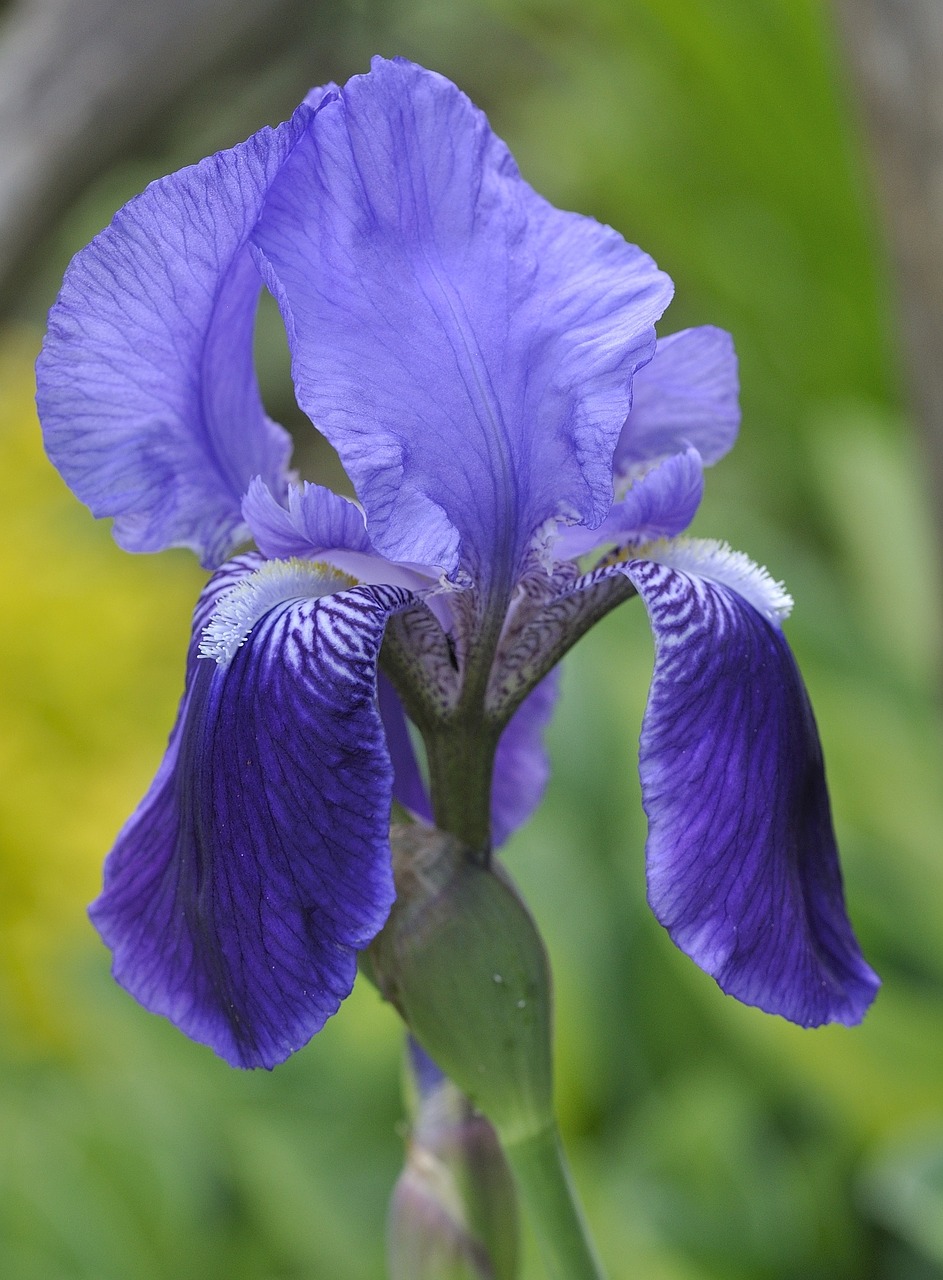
{"x":710,"y":1142}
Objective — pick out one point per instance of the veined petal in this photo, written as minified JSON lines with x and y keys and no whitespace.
{"x":146,"y":388}
{"x":315,"y":520}
{"x":521,"y":766}
{"x":322,"y":525}
{"x":687,"y":395}
{"x":742,"y":864}
{"x":467,"y":348}
{"x":660,"y":505}
{"x":238,"y":894}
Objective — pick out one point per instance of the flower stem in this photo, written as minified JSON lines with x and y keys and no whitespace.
{"x":461,"y":764}
{"x":543,"y":1179}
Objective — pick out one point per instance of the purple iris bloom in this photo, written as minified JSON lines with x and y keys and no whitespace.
{"x":487,"y":369}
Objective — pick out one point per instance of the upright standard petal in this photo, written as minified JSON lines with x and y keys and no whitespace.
{"x":146,"y":389}
{"x":237,"y":896}
{"x":742,"y":865}
{"x":687,"y":395}
{"x":467,"y":348}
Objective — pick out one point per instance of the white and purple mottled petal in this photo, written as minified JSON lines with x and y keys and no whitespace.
{"x":687,"y":395}
{"x":742,"y":864}
{"x":146,"y":388}
{"x":660,"y":505}
{"x":467,"y":348}
{"x":237,"y":896}
{"x":521,"y":765}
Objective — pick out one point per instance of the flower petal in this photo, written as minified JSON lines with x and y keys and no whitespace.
{"x":467,"y":348}
{"x":660,"y":505}
{"x":521,"y":766}
{"x":146,"y":387}
{"x":687,"y":395}
{"x":323,"y":525}
{"x":316,"y":520}
{"x":238,"y":894}
{"x":409,"y":790}
{"x":742,"y":864}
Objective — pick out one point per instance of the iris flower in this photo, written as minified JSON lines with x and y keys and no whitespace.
{"x":525,"y":456}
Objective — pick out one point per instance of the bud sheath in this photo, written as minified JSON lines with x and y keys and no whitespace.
{"x":461,"y":959}
{"x":454,"y":1214}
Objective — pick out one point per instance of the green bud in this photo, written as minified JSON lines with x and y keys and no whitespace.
{"x":462,"y":961}
{"x":453,"y":1215}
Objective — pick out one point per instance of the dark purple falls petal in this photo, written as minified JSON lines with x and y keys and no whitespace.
{"x":742,"y":863}
{"x":258,"y":864}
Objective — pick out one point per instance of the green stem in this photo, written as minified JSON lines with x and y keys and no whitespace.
{"x":461,"y":764}
{"x":543,"y":1179}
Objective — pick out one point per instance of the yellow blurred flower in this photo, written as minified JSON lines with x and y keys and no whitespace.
{"x":90,"y":671}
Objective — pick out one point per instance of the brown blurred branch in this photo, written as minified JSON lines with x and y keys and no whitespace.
{"x":80,"y":78}
{"x":896,"y":55}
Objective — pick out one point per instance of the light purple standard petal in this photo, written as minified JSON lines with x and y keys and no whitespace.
{"x":521,"y":766}
{"x":146,"y":388}
{"x":742,"y":865}
{"x":687,"y":395}
{"x":237,"y":896}
{"x":467,"y":348}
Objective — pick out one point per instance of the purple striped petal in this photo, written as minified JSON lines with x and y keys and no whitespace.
{"x":238,"y":894}
{"x":742,"y":863}
{"x":687,"y":395}
{"x":467,"y":348}
{"x":146,"y":388}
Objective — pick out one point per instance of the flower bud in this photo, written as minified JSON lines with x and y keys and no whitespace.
{"x":453,"y":1215}
{"x":462,"y":961}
